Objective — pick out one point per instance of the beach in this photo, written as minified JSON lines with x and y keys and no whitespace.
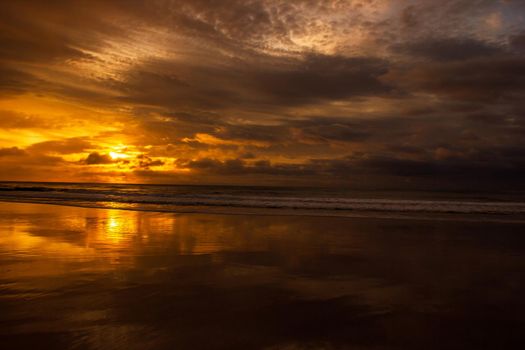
{"x":262,"y":175}
{"x":89,"y":278}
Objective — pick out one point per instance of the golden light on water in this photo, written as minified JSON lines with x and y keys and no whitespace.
{"x":114,"y":228}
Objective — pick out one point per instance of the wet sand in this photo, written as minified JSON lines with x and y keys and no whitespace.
{"x":80,"y":278}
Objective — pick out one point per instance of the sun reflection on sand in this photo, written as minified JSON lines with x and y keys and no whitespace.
{"x":58,"y":239}
{"x":116,"y":226}
{"x":128,"y":278}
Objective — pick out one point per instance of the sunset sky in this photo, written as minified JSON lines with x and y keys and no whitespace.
{"x":364,"y":93}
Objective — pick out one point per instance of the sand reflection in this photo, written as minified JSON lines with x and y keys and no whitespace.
{"x":98,"y":279}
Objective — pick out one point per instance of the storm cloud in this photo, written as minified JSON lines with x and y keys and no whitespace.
{"x":376,"y":93}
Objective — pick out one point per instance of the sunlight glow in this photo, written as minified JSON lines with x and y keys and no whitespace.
{"x":117,"y":155}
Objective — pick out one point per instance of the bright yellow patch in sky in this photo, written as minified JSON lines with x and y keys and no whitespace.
{"x":116,"y":155}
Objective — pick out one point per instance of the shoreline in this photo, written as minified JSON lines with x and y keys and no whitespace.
{"x":86,"y":274}
{"x":277,"y":212}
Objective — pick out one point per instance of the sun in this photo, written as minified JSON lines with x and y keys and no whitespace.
{"x":120,"y":151}
{"x":117,"y":155}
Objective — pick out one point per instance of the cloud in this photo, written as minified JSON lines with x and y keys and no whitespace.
{"x":26,"y":35}
{"x":97,"y":158}
{"x":475,"y":80}
{"x":238,"y":167}
{"x":13,"y":81}
{"x":441,"y":166}
{"x":374,"y":91}
{"x":12,"y":152}
{"x":254,"y":83}
{"x":146,"y":162}
{"x":448,"y":49}
{"x":323,"y":77}
{"x":66,"y":146}
{"x":16,"y":120}
{"x":517,"y":42}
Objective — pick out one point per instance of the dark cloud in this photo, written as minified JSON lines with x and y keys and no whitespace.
{"x":33,"y":31}
{"x":12,"y":152}
{"x":239,"y":167}
{"x":448,"y":49}
{"x":332,"y":129}
{"x":13,"y":81}
{"x":97,"y":158}
{"x":517,"y":43}
{"x":263,"y":82}
{"x":408,"y":17}
{"x":253,"y":132}
{"x":323,"y":77}
{"x":248,"y":155}
{"x":146,"y":162}
{"x":345,"y":90}
{"x":474,"y":80}
{"x":445,"y":168}
{"x":67,"y":146}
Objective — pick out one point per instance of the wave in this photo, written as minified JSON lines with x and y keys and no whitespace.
{"x":166,"y":197}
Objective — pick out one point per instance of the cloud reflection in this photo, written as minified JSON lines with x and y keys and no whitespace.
{"x":92,"y":277}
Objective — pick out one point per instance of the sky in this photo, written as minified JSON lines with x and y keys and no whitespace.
{"x":362,"y":93}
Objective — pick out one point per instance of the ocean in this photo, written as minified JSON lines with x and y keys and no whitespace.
{"x":270,"y":200}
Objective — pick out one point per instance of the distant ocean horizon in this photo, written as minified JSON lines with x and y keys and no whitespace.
{"x":270,"y":200}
